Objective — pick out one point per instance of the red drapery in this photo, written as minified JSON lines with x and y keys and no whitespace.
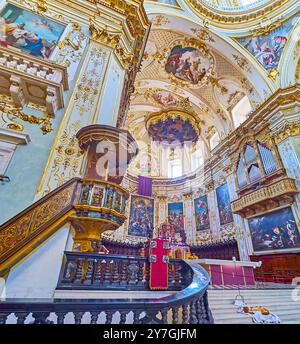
{"x":159,"y":259}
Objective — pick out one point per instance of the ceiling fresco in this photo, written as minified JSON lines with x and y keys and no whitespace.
{"x":192,"y":66}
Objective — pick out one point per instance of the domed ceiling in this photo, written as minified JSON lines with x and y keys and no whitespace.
{"x":195,"y":68}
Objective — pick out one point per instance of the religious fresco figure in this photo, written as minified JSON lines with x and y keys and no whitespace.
{"x":267,"y":49}
{"x":141,"y":217}
{"x":187,"y":63}
{"x":29,"y":31}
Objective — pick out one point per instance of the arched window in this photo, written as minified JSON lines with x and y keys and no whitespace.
{"x":174,"y":168}
{"x":214,"y":140}
{"x":241,"y":111}
{"x":196,"y":159}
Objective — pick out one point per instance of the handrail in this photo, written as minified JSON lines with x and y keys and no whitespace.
{"x":34,"y":224}
{"x":188,"y":306}
{"x":94,"y":271}
{"x":24,"y":232}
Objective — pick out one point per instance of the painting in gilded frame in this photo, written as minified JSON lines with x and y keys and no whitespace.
{"x":175,"y":216}
{"x":29,"y":31}
{"x":274,"y":231}
{"x":267,"y":49}
{"x":224,"y":205}
{"x":201,"y":213}
{"x":141,"y":217}
{"x":188,"y":64}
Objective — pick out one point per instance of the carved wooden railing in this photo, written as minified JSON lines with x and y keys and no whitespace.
{"x":93,"y":271}
{"x":280,"y":189}
{"x":188,"y":306}
{"x":29,"y":228}
{"x":21,"y":234}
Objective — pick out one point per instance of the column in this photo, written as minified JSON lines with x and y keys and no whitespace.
{"x":189,"y":218}
{"x":162,"y":210}
{"x":102,"y":90}
{"x":290,"y":155}
{"x":242,"y":233}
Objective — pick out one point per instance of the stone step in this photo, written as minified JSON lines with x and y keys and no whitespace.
{"x":272,"y":309}
{"x":277,"y":301}
{"x":250,"y":292}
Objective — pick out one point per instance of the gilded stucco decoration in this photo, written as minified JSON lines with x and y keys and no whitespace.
{"x":71,"y":48}
{"x":88,"y":89}
{"x":68,"y":157}
{"x":11,"y":114}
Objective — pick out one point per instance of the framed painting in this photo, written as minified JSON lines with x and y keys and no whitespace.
{"x":188,"y":64}
{"x":201,"y":213}
{"x":141,"y":216}
{"x":29,"y":31}
{"x":224,"y":205}
{"x":274,"y":231}
{"x":175,"y":216}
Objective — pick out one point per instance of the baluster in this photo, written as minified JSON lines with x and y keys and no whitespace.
{"x":89,"y":272}
{"x":175,"y":315}
{"x":193,"y":315}
{"x":79,"y":269}
{"x":178,"y":275}
{"x":205,"y":308}
{"x":185,"y":314}
{"x":3,"y":317}
{"x":94,"y":317}
{"x":116,"y":279}
{"x":21,"y":317}
{"x":109,"y":316}
{"x":60,"y":317}
{"x":78,"y":316}
{"x":147,"y":273}
{"x":144,"y":280}
{"x":97,"y":274}
{"x":111,"y":271}
{"x":164,"y":315}
{"x":107,"y":273}
{"x":124,"y":272}
{"x":136,"y":317}
{"x":140,"y":273}
{"x":123,"y":315}
{"x":102,"y":271}
{"x":40,"y":317}
{"x":199,"y":311}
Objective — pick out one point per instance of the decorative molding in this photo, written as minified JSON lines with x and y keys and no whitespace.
{"x":266,"y":28}
{"x":14,"y":137}
{"x":287,"y":130}
{"x":10,"y":114}
{"x":205,"y":11}
{"x":203,"y":34}
{"x":242,"y":62}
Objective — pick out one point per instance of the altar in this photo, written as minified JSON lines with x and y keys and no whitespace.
{"x":229,"y":272}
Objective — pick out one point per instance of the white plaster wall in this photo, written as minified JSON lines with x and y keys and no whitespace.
{"x":37,"y":275}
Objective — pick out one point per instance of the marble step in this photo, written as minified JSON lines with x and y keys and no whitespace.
{"x":241,"y":318}
{"x":277,"y":301}
{"x":277,"y":310}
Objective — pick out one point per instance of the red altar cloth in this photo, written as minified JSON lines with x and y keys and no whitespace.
{"x":159,"y":259}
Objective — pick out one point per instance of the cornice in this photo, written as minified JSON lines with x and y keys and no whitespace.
{"x":219,"y":17}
